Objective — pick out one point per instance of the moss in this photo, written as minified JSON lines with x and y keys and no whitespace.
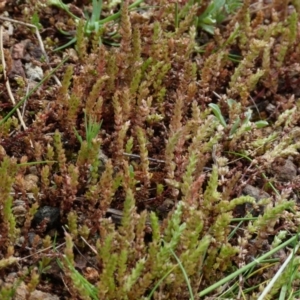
{"x":174,"y":115}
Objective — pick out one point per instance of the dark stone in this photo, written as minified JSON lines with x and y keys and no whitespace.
{"x":48,"y":214}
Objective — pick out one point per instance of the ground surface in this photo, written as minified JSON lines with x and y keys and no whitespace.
{"x":45,"y":112}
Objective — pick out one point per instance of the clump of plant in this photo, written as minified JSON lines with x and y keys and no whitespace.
{"x":210,"y":13}
{"x":138,"y":164}
{"x":94,"y":22}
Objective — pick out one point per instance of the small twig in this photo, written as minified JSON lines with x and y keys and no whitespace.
{"x":40,"y":251}
{"x":25,"y":102}
{"x":256,"y":107}
{"x":85,"y":241}
{"x":217,"y":95}
{"x":66,"y":286}
{"x":138,"y":156}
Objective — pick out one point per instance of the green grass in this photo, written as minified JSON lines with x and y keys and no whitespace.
{"x":93,"y":23}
